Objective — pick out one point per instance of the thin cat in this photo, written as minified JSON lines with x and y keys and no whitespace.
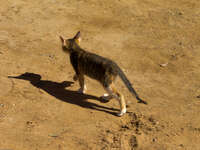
{"x":99,"y":68}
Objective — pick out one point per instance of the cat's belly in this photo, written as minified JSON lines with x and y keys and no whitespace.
{"x":95,"y":75}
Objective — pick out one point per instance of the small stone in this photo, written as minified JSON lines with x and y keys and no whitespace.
{"x":108,"y":131}
{"x":181,"y":145}
{"x":164,"y":65}
{"x":180,"y":13}
{"x":53,"y":135}
{"x":29,"y":122}
{"x":127,"y":105}
{"x":154,"y":139}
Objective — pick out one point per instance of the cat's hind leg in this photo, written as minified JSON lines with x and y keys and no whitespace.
{"x":106,"y":98}
{"x":113,"y":93}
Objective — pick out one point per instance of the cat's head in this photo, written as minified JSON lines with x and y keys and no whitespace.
{"x":69,"y":44}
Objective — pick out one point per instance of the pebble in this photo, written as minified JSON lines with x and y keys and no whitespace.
{"x":53,"y":135}
{"x":164,"y":65}
{"x":154,"y":140}
{"x":181,"y":145}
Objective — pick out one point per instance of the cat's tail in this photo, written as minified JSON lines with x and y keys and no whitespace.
{"x":129,"y":85}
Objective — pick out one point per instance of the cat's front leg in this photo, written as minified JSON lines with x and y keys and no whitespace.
{"x":75,"y":77}
{"x":82,"y":90}
{"x":82,"y":84}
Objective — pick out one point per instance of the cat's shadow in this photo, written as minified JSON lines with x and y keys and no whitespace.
{"x":59,"y":91}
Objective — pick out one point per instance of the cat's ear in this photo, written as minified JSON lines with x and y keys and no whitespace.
{"x":77,"y":37}
{"x":62,"y":39}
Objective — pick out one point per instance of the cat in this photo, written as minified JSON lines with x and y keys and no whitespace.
{"x":99,"y":68}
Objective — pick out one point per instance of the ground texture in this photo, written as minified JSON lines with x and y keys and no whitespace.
{"x":155,"y":42}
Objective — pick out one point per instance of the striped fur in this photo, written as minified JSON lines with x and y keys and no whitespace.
{"x":96,"y":67}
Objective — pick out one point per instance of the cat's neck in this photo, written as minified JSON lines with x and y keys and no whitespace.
{"x":76,"y":48}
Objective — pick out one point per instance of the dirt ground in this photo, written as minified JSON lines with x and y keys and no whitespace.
{"x":155,"y":42}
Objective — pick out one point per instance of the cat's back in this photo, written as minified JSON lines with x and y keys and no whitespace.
{"x":94,"y":65}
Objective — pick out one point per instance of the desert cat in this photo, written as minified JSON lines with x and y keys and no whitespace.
{"x":102,"y":69}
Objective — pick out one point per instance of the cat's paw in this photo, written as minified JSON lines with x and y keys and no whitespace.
{"x":105,"y":98}
{"x":121,"y":113}
{"x":82,"y":90}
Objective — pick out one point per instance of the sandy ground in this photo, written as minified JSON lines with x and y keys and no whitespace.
{"x":155,"y":42}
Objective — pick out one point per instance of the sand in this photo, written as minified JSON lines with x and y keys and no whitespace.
{"x":155,"y":42}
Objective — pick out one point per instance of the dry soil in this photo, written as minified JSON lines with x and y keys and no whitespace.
{"x":155,"y":42}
